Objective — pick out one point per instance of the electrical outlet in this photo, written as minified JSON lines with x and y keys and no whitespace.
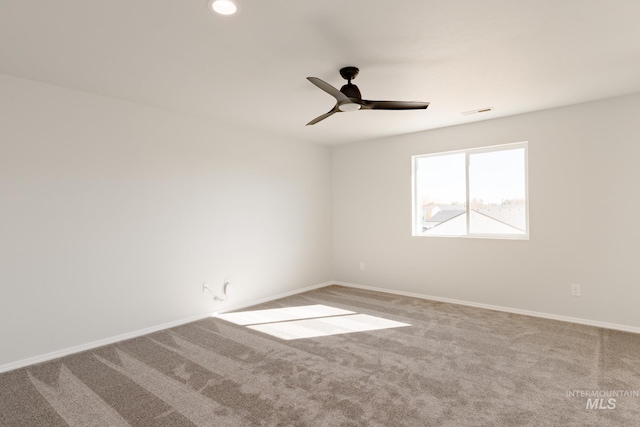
{"x":362,"y":266}
{"x":575,"y":290}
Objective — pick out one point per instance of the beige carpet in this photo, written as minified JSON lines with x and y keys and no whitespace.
{"x":454,"y":366}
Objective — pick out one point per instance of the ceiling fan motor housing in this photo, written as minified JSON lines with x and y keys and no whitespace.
{"x":351,"y":91}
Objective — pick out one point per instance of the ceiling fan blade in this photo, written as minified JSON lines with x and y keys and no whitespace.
{"x":393,"y":105}
{"x":324,"y":116}
{"x":339,"y":96}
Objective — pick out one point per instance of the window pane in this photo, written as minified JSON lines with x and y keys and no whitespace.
{"x":497,"y":192}
{"x":441,"y":195}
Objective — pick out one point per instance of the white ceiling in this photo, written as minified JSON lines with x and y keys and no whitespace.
{"x":250,"y":69}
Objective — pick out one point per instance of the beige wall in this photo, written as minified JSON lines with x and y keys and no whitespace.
{"x":584,"y":206}
{"x":113,"y":215}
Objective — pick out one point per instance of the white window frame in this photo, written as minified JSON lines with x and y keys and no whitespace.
{"x":416,"y":217}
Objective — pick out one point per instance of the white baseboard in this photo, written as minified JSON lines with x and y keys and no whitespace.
{"x":598,"y":324}
{"x":94,"y":344}
{"x":99,"y":343}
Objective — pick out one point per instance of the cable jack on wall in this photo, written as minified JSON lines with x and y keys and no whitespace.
{"x":225,"y":290}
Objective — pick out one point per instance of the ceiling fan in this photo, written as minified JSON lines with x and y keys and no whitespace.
{"x":348,"y":98}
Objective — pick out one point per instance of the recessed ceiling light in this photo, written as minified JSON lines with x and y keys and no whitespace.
{"x":223,"y":7}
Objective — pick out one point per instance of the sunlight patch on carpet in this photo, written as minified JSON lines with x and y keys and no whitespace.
{"x":308,"y":321}
{"x":256,"y":317}
{"x":320,"y":327}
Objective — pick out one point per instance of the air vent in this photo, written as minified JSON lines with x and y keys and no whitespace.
{"x":479,"y":110}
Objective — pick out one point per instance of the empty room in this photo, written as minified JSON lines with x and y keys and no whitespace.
{"x":192,"y":233}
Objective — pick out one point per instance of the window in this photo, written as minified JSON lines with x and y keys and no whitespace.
{"x":472,"y":193}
